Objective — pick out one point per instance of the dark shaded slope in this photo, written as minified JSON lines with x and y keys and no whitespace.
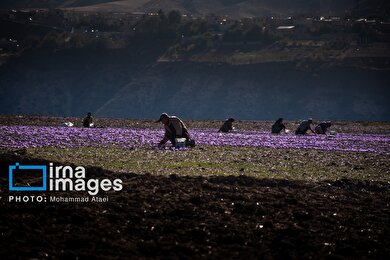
{"x":259,"y":91}
{"x":197,"y":217}
{"x":73,"y":81}
{"x":118,"y":83}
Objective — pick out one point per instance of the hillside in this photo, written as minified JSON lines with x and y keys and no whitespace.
{"x":235,"y":8}
{"x":132,"y":65}
{"x":122,"y":84}
{"x":8,"y":4}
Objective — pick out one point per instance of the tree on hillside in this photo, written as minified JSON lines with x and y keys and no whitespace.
{"x":194,"y":27}
{"x":159,"y":26}
{"x":233,"y":34}
{"x":174,"y":17}
{"x":253,"y":34}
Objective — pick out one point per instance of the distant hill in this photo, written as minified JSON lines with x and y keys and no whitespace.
{"x":320,"y":71}
{"x":8,"y":4}
{"x":372,"y":8}
{"x":130,"y":84}
{"x":236,"y":8}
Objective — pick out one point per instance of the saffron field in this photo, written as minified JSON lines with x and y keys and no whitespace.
{"x":62,"y":137}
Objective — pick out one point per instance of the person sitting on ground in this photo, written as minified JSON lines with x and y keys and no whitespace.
{"x":278,"y":126}
{"x":88,"y":120}
{"x":227,"y":126}
{"x":304,"y":127}
{"x":322,"y":127}
{"x":174,"y":128}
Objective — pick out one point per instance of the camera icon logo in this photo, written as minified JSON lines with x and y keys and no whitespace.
{"x":26,"y":169}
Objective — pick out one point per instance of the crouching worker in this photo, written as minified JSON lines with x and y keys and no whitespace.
{"x":278,"y":126}
{"x":88,"y":120}
{"x":304,"y":127}
{"x":227,"y":126}
{"x":174,"y":128}
{"x":322,"y":127}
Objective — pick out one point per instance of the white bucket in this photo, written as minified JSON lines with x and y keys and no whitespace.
{"x":180,"y":142}
{"x":332,"y":134}
{"x":67,"y":124}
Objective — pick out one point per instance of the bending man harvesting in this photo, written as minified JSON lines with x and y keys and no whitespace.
{"x":174,"y":128}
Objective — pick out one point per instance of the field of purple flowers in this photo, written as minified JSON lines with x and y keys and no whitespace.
{"x":62,"y":137}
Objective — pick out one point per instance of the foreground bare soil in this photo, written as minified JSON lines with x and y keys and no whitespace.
{"x":202,"y":217}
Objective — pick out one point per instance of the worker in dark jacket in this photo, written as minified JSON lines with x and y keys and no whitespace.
{"x":227,"y":126}
{"x":322,"y":127}
{"x":88,"y":120}
{"x":304,"y":127}
{"x":278,"y":126}
{"x":174,"y":128}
